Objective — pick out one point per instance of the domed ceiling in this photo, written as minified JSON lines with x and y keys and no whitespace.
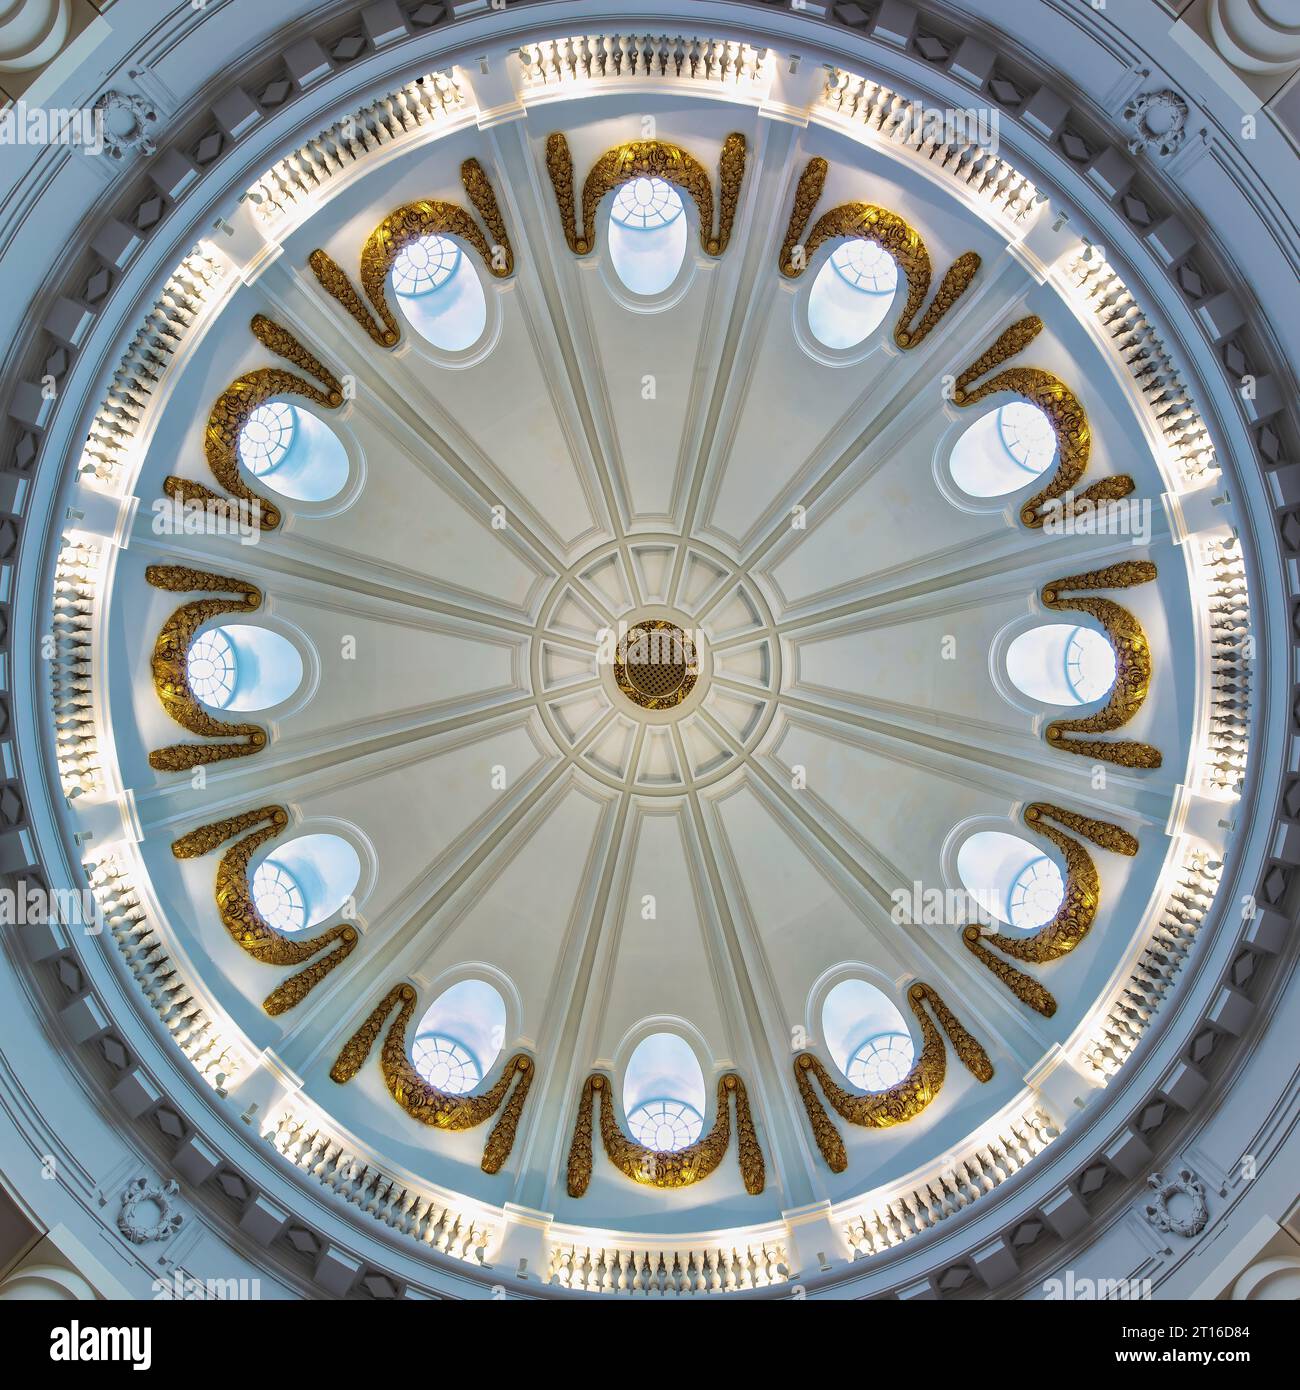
{"x":639,"y":670}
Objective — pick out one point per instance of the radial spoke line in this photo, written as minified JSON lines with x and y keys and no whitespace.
{"x":394,"y":953}
{"x":558,"y":283}
{"x":288,"y":562}
{"x":1017,"y":770}
{"x":391,"y":410}
{"x":576,"y":1025}
{"x":917,"y":954}
{"x":1021,"y":570}
{"x":758,"y":1021}
{"x":748,"y":311}
{"x":280,"y":776}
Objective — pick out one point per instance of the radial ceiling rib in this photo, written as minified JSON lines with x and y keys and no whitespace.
{"x":535,"y":209}
{"x":921,"y":957}
{"x":759,"y":213}
{"x":759,"y":1022}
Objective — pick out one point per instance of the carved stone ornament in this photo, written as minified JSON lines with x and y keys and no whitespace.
{"x":125,"y":120}
{"x":1159,"y":121}
{"x":1157,"y":1211}
{"x":169,"y":1221}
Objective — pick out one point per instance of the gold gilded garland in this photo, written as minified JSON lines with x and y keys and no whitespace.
{"x":402,"y":226}
{"x":892,"y":234}
{"x":171,"y":677}
{"x":246,"y":925}
{"x":1132,"y":665}
{"x":665,"y":1168}
{"x":425,"y":1102}
{"x":1064,"y":413}
{"x":237,"y":402}
{"x":1072,"y":920}
{"x":647,"y":159}
{"x":905,"y":1099}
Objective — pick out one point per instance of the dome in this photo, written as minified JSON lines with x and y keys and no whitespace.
{"x":649,"y":654}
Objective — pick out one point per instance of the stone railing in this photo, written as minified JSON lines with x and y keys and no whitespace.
{"x":215,"y":1057}
{"x":399,"y":117}
{"x":434,"y":1220}
{"x":627,"y":57}
{"x":1156,"y":970}
{"x":936,"y":137}
{"x":1143,"y":353}
{"x":72,"y":623}
{"x":885,"y":1220}
{"x":657,"y":1269}
{"x":113,"y":431}
{"x":1232,"y":656}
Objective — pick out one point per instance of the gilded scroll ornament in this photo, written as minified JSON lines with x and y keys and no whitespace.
{"x":239,"y":915}
{"x":647,"y":159}
{"x":402,"y":226}
{"x":887,"y":230}
{"x":659,"y":1167}
{"x":234,"y":406}
{"x":1073,"y":919}
{"x":171,"y":676}
{"x":1064,"y":412}
{"x":1132,"y":665}
{"x":905,"y":1099}
{"x":425,"y":1102}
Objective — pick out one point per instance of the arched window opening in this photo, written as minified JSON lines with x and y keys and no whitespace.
{"x":439,"y":293}
{"x":1004,"y":450}
{"x":267,"y":436}
{"x":460,"y":1036}
{"x":1062,"y":664}
{"x":865,"y":1035}
{"x":852,"y":293}
{"x":663,"y":1093}
{"x":647,"y":235}
{"x":293,"y":452}
{"x":241,"y":667}
{"x":1010,"y":879}
{"x":305,"y":881}
{"x":881,"y":1061}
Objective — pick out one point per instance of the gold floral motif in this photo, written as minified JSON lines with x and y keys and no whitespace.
{"x":402,"y":226}
{"x":1073,"y":919}
{"x":427,"y":1103}
{"x":647,"y":159}
{"x":1024,"y":987}
{"x":1064,"y":413}
{"x":239,"y":915}
{"x":171,"y":676}
{"x":238,"y":401}
{"x":656,"y":665}
{"x":905,"y":1099}
{"x":887,"y":230}
{"x":665,"y":1168}
{"x":1132,"y":665}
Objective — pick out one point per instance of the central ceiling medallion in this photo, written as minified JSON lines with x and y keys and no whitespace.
{"x":656,"y":664}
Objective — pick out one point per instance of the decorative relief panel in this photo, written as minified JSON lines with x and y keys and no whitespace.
{"x":884,"y":229}
{"x":250,"y":931}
